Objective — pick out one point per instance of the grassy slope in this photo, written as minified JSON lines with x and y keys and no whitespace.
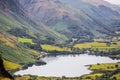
{"x":105,"y":67}
{"x":9,"y":48}
{"x":91,"y":76}
{"x":53,"y":48}
{"x":25,"y":40}
{"x":8,"y":22}
{"x":97,"y":45}
{"x":99,"y":70}
{"x":17,"y":54}
{"x":13,"y":51}
{"x":10,"y":65}
{"x":117,"y":76}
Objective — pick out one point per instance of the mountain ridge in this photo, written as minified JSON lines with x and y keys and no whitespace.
{"x":84,"y":15}
{"x":16,"y":12}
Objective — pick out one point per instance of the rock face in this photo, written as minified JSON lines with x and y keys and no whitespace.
{"x":3,"y":72}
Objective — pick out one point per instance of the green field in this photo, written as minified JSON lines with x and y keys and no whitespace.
{"x":103,"y":71}
{"x":16,"y":55}
{"x":7,"y":23}
{"x":54,"y":48}
{"x":91,"y":76}
{"x":117,"y":76}
{"x":10,"y":65}
{"x":25,"y":40}
{"x":97,"y":46}
{"x":105,"y":67}
{"x":89,"y":45}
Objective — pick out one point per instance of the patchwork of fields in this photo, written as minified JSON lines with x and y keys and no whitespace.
{"x":97,"y":45}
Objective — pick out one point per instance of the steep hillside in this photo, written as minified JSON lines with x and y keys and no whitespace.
{"x":8,"y":6}
{"x":3,"y":72}
{"x":51,"y":22}
{"x":28,"y":27}
{"x":53,"y":15}
{"x":14,"y":16}
{"x":75,"y":19}
{"x":15,"y":24}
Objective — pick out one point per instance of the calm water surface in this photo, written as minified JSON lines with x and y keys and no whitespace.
{"x":69,"y":66}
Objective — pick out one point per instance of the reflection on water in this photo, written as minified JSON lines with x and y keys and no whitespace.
{"x":69,"y":66}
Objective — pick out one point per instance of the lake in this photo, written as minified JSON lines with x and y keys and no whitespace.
{"x":69,"y":66}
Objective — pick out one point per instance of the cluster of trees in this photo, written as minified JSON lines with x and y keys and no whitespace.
{"x":23,"y":32}
{"x":33,"y":46}
{"x":47,"y":40}
{"x":77,"y":31}
{"x":108,"y":75}
{"x":20,"y":32}
{"x":111,"y":53}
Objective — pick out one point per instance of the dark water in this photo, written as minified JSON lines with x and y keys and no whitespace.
{"x":69,"y":66}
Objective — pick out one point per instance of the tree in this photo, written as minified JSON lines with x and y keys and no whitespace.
{"x":116,"y":66}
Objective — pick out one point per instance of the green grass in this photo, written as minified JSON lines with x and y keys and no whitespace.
{"x":44,"y":78}
{"x":60,"y":26}
{"x":91,"y":76}
{"x":7,"y":23}
{"x":10,"y":65}
{"x":97,"y":46}
{"x":89,"y":45}
{"x":25,"y":40}
{"x":117,"y":76}
{"x":105,"y":67}
{"x":54,"y":48}
{"x":16,"y":54}
{"x":105,"y":48}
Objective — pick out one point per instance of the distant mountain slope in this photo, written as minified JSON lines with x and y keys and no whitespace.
{"x":78,"y":18}
{"x":14,"y":16}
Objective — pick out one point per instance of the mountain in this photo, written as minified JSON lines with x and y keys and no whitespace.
{"x":52,"y":22}
{"x":16,"y":24}
{"x":14,"y":16}
{"x":74,"y":19}
{"x":26,"y":24}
